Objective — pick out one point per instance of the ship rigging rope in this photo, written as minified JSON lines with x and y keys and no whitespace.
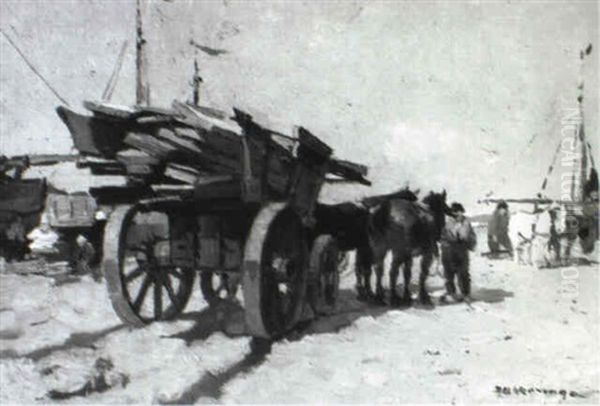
{"x":590,"y":154}
{"x":33,"y":69}
{"x":550,"y":169}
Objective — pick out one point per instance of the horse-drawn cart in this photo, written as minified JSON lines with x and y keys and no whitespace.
{"x":207,"y":194}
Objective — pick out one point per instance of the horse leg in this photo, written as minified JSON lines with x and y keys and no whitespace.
{"x":360,"y":287}
{"x":394,"y":271}
{"x":464,"y":277}
{"x":360,"y":274}
{"x":362,"y":269}
{"x":407,"y":273}
{"x":426,"y":261}
{"x":367,"y":271}
{"x":379,"y":294}
{"x":366,"y":291}
{"x":567,"y":257}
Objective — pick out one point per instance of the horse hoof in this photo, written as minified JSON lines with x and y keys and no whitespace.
{"x":395,"y":301}
{"x":425,"y":300}
{"x":378,"y":300}
{"x":405,"y":301}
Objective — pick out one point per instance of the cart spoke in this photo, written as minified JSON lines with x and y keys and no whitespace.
{"x":135,"y":274}
{"x":139,"y":300}
{"x":158,"y":300}
{"x":170,"y":291}
{"x":175,"y":272}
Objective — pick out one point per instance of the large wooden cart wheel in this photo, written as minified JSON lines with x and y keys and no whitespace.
{"x":324,"y":274}
{"x":143,"y":284}
{"x":275,"y":271}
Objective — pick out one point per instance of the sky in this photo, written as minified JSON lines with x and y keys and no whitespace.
{"x":462,"y":95}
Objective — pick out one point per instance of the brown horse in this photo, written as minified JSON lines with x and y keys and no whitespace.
{"x":408,"y":229}
{"x":349,"y":223}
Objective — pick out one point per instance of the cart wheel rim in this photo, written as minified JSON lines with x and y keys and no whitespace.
{"x":275,"y":271}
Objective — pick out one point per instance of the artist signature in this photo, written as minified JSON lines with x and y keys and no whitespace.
{"x":521,"y":390}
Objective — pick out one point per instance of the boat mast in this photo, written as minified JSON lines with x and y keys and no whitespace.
{"x":578,"y":185}
{"x":142,"y":90}
{"x":196,"y":82}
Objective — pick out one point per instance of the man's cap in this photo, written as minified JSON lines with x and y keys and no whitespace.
{"x":502,"y":205}
{"x":457,"y":207}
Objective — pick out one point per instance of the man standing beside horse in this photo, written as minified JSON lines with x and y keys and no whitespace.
{"x":458,"y":238}
{"x":498,"y":230}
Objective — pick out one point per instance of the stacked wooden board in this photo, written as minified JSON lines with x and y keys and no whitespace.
{"x":191,"y":145}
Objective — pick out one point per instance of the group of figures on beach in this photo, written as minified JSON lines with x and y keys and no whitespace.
{"x":546,"y":236}
{"x":408,"y":228}
{"x":431,"y":229}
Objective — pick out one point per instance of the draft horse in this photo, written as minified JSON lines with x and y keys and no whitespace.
{"x":408,"y":229}
{"x":349,"y":223}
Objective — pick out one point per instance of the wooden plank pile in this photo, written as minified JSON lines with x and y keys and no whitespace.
{"x":178,"y":145}
{"x":189,"y":145}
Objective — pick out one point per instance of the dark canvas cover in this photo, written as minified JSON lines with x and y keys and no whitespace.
{"x":22,"y":196}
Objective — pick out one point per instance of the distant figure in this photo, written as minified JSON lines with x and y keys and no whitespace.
{"x":540,"y":237}
{"x":590,"y":188}
{"x":548,"y":236}
{"x":458,"y":238}
{"x":83,"y":257}
{"x":498,"y":230}
{"x":522,"y":232}
{"x":587,"y":229}
{"x":43,"y":238}
{"x":16,"y":242}
{"x":556,"y":234}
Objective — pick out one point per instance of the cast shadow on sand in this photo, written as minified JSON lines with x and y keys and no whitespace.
{"x":75,"y":340}
{"x":490,"y":295}
{"x":210,"y":385}
{"x":228,"y":318}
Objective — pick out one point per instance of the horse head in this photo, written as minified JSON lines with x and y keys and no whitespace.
{"x":439,"y":208}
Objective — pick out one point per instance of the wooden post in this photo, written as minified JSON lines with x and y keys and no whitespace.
{"x":142,"y":96}
{"x":196,"y":82}
{"x":579,"y":176}
{"x":533,"y":200}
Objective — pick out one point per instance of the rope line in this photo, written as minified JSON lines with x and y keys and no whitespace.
{"x":550,"y":168}
{"x":38,"y":74}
